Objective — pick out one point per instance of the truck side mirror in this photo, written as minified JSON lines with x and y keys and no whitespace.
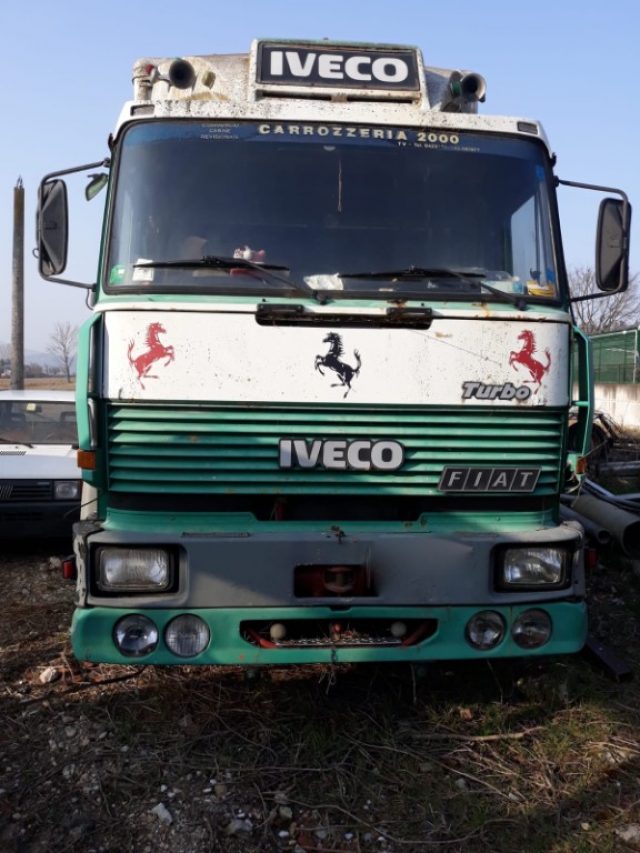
{"x":52,"y":227}
{"x":612,"y":245}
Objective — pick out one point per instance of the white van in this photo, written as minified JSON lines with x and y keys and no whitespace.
{"x":40,"y":482}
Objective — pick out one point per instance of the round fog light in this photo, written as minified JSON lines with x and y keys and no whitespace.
{"x":485,"y":630}
{"x":135,"y":635}
{"x":531,"y":629}
{"x":187,"y":635}
{"x":278,"y":631}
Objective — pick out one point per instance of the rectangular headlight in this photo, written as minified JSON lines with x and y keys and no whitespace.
{"x":67,"y":490}
{"x":133,"y":569}
{"x":534,"y":567}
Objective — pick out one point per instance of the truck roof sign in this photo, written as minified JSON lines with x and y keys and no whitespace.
{"x":337,"y":66}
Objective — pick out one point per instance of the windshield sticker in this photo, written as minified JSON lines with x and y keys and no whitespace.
{"x":220,"y":131}
{"x":525,"y":357}
{"x":117,"y":274}
{"x":332,"y":361}
{"x":142,"y":273}
{"x":428,"y":138}
{"x":156,"y":351}
{"x":435,"y":138}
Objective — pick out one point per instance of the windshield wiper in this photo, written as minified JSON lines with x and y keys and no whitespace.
{"x":4,"y":440}
{"x":222,"y":263}
{"x":472,"y":275}
{"x":418,"y":272}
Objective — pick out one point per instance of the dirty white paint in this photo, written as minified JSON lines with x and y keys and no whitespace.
{"x":228,"y":357}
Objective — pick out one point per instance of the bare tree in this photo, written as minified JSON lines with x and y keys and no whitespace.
{"x":62,"y":345}
{"x":608,"y":314}
{"x":5,"y":359}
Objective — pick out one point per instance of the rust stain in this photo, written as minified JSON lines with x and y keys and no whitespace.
{"x":208,"y":96}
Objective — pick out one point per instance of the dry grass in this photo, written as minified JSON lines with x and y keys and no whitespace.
{"x":313,"y":759}
{"x":52,"y":382}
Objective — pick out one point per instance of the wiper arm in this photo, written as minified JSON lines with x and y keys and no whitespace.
{"x":219,"y":262}
{"x":418,"y":272}
{"x":4,"y":440}
{"x":474,"y":275}
{"x":208,"y":261}
{"x":516,"y":299}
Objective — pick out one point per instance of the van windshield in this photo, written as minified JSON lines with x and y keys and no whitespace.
{"x":378,"y":211}
{"x":37,"y":422}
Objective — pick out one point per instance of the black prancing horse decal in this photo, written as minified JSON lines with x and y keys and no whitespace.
{"x":332,"y":361}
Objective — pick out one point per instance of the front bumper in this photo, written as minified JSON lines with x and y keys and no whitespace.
{"x":232,"y":578}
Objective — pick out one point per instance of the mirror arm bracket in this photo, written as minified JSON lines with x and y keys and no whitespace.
{"x":105,"y":164}
{"x":81,"y":284}
{"x":625,"y":235}
{"x":591,"y":296}
{"x":601,"y":189}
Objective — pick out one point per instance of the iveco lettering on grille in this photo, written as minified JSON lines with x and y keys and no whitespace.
{"x":358,"y":455}
{"x":353,"y":68}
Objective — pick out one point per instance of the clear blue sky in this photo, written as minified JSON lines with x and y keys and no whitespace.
{"x":570,"y":63}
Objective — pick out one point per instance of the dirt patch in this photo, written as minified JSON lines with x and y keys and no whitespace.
{"x":186,"y":759}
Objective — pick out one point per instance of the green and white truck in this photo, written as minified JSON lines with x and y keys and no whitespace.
{"x":324,"y":395}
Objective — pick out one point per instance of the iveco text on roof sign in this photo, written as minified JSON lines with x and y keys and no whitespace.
{"x":342,"y":67}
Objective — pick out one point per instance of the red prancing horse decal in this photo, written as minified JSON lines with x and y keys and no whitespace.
{"x":156,"y":351}
{"x":526,"y":357}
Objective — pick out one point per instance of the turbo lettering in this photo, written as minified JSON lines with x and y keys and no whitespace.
{"x":483,"y":391}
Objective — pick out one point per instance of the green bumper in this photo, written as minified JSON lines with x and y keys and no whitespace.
{"x":92,"y":635}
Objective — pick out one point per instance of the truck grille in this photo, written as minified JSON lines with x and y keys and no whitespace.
{"x":234,"y":449}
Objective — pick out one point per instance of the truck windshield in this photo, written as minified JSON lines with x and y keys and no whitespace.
{"x":380,"y":212}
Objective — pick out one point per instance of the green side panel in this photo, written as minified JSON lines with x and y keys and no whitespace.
{"x":88,"y":360}
{"x":233,"y":449}
{"x":582,"y":379}
{"x":92,"y":632}
{"x":82,"y":380}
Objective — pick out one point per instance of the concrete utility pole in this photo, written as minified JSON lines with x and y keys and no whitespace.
{"x":17,"y":293}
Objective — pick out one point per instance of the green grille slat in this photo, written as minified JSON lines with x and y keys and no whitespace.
{"x":234,"y":449}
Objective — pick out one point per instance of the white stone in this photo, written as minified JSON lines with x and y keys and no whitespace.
{"x":629,"y":834}
{"x":239,"y":825}
{"x":48,"y":675}
{"x":163,"y":813}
